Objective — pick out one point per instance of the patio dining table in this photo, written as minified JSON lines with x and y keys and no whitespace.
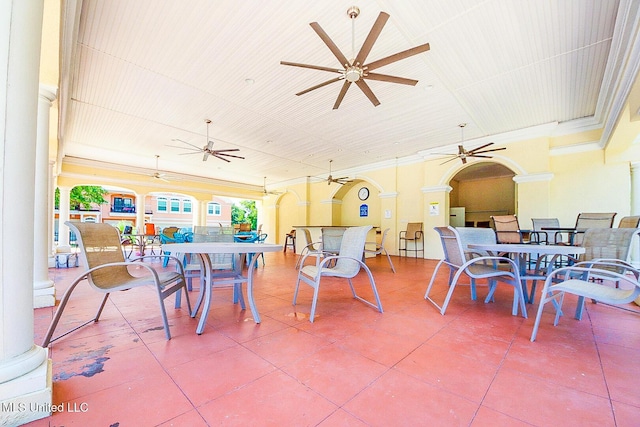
{"x":142,"y":241}
{"x":520,"y":252}
{"x":234,"y":275}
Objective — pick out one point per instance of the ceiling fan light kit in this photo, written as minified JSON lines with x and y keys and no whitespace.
{"x":355,"y":70}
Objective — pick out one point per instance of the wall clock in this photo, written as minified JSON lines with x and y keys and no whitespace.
{"x":363,"y":193}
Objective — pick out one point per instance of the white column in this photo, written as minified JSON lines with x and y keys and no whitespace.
{"x":140,"y":207}
{"x":635,"y":188}
{"x":25,"y":370}
{"x":635,"y":210}
{"x":43,"y":289}
{"x":202,"y":213}
{"x":51,"y":202}
{"x":63,"y":215}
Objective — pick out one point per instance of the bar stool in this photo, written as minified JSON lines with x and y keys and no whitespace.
{"x":290,"y":240}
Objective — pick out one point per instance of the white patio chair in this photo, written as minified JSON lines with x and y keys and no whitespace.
{"x":346,"y":265}
{"x":380,"y":249}
{"x":107,"y":271}
{"x":483,"y":267}
{"x":579,"y":281}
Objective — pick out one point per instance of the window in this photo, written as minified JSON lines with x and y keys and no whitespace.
{"x":162,"y":204}
{"x":186,"y":206}
{"x":175,"y":205}
{"x":123,"y":204}
{"x":214,"y":209}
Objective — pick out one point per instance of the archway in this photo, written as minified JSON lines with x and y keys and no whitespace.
{"x":480,"y":190}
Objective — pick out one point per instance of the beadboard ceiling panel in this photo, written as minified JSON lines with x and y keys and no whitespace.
{"x":147,"y":72}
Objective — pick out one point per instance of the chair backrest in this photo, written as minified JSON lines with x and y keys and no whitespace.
{"x":479,"y":236}
{"x":384,"y":237}
{"x":451,"y":245}
{"x":595,"y":220}
{"x":308,"y":240}
{"x":507,"y":228}
{"x":99,"y":244}
{"x":149,"y":229}
{"x":245,"y":226}
{"x":412,"y":229}
{"x":610,"y":243}
{"x":332,"y":238}
{"x":169,"y":231}
{"x":629,"y":222}
{"x":352,"y":246}
{"x":540,"y":223}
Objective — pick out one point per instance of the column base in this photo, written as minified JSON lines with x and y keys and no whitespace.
{"x":34,"y":404}
{"x":45,"y":297}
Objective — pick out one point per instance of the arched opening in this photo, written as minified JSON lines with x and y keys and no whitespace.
{"x":480,"y":190}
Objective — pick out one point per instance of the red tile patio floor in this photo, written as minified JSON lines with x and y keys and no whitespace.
{"x":353,"y":366}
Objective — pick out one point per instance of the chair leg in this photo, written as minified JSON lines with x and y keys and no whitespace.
{"x":389,"y":259}
{"x":378,"y":304}
{"x":316,"y":288}
{"x":163,"y":312}
{"x":63,"y":303}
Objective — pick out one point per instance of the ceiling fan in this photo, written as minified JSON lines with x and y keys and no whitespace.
{"x":342,"y":180}
{"x":207,"y":149}
{"x":264,"y":189}
{"x":157,"y":174}
{"x":355,"y":70}
{"x":464,"y":154}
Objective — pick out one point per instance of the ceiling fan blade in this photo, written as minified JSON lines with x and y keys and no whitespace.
{"x":397,"y":57}
{"x":313,"y":67}
{"x":319,"y":86}
{"x":219,"y":153}
{"x":451,"y":159}
{"x":487,"y":151}
{"x":481,"y":147}
{"x":341,"y":95}
{"x":367,"y":91}
{"x":330,"y":44}
{"x":480,"y":155}
{"x":390,"y":79}
{"x":184,"y":148}
{"x":192,"y":152}
{"x":188,"y":143}
{"x":220,"y":157}
{"x":371,"y":38}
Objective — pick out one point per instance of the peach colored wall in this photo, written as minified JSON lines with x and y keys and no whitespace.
{"x":485,"y":197}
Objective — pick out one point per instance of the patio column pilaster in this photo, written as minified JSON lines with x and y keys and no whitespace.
{"x":63,"y":215}
{"x":202,"y":212}
{"x":25,"y":370}
{"x":43,"y":289}
{"x":140,"y":207}
{"x":635,"y":209}
{"x":635,"y":188}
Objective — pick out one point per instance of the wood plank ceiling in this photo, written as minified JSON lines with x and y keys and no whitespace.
{"x":145,"y":72}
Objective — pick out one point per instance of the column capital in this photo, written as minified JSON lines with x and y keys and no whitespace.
{"x":48,"y":92}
